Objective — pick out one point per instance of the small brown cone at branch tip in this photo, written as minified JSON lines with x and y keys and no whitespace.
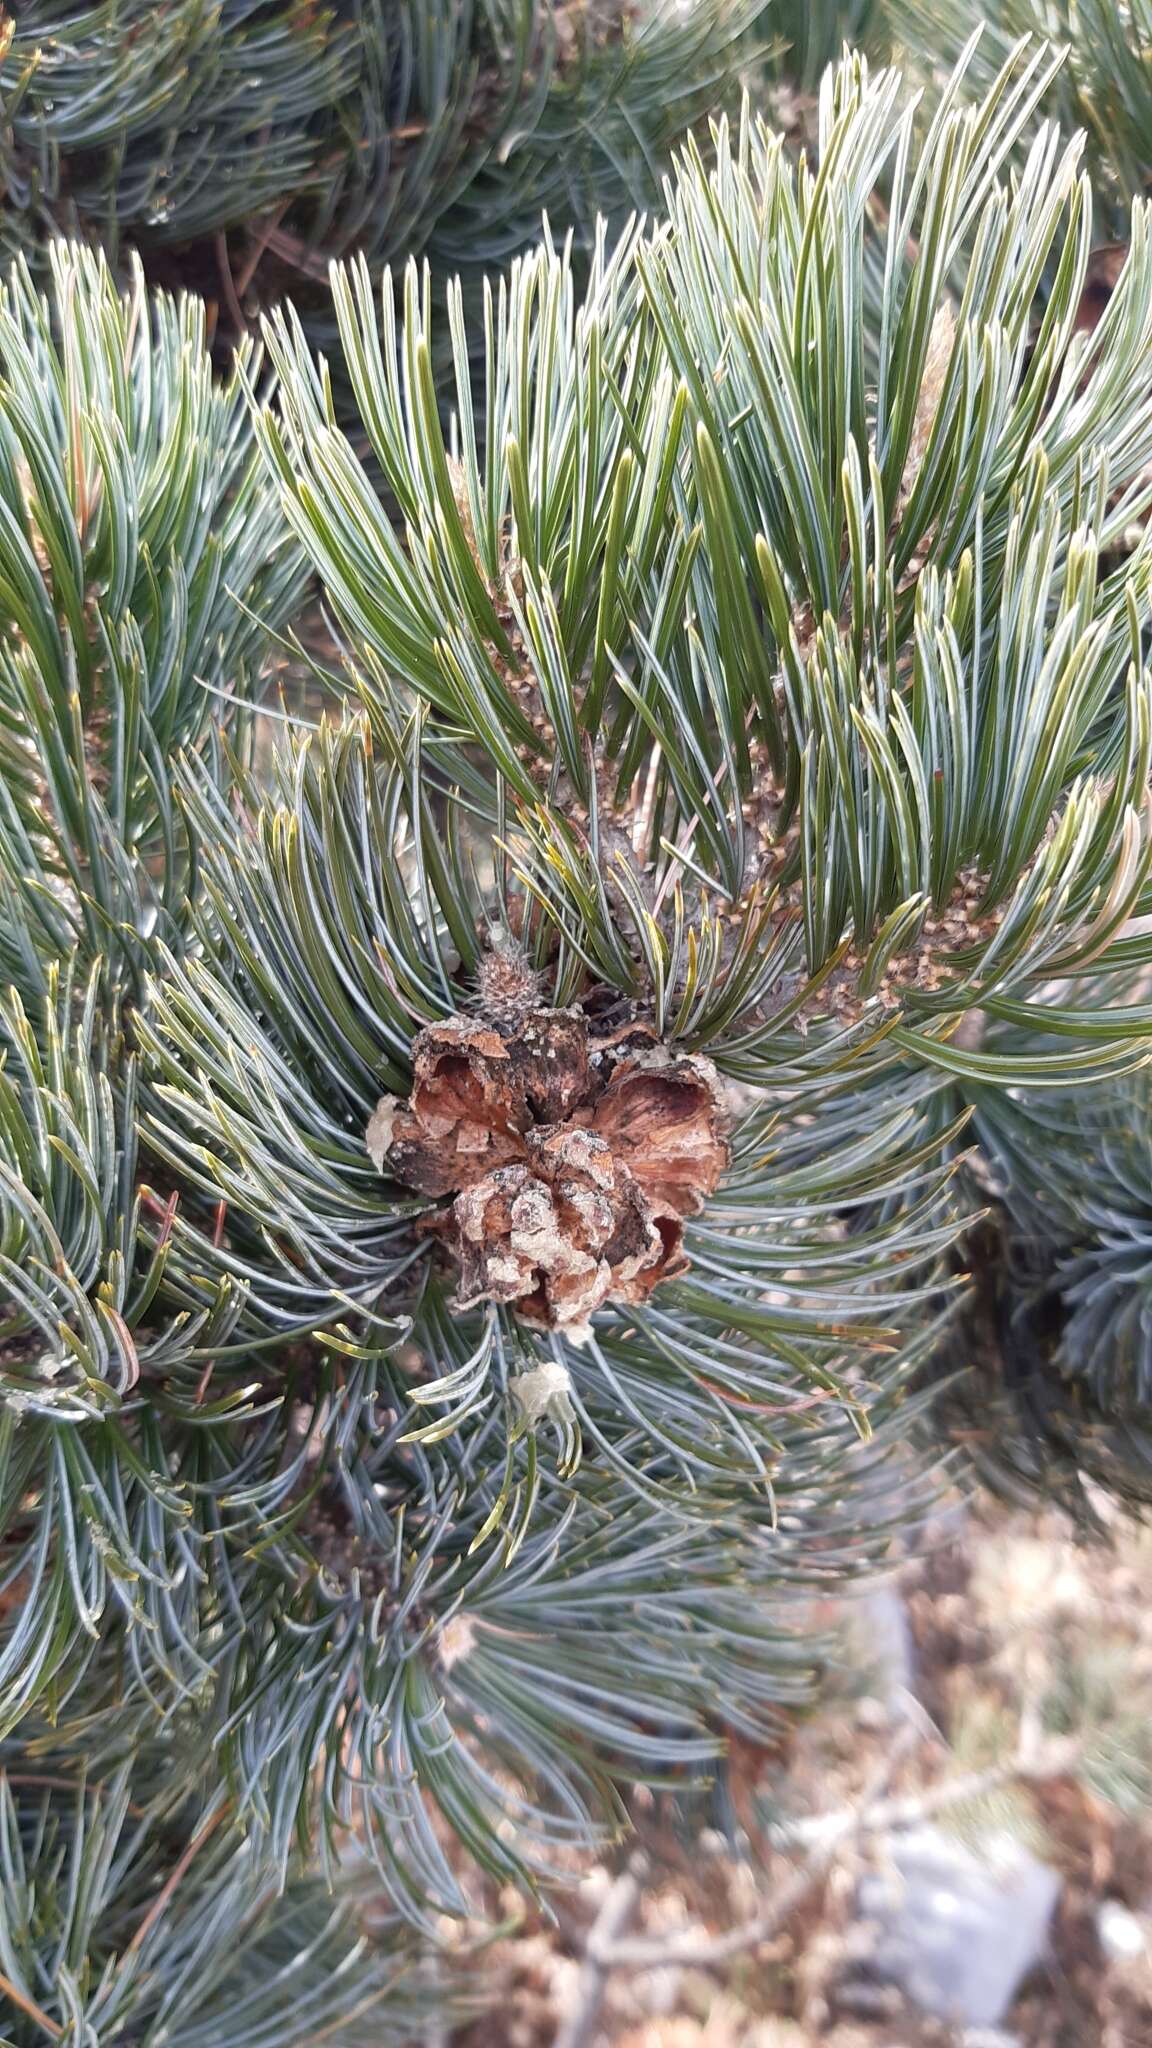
{"x":571,"y":1162}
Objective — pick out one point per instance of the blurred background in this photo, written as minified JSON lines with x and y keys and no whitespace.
{"x":959,"y":1851}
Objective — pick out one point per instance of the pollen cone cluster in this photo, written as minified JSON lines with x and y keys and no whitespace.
{"x":569,"y":1160}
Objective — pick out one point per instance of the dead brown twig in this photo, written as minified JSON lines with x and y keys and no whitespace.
{"x":155,"y":1912}
{"x":29,"y":2007}
{"x":614,"y":1917}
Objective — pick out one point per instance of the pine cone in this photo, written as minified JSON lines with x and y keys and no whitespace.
{"x":572,"y":1161}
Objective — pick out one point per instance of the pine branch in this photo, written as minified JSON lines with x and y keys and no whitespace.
{"x":1058,"y":1323}
{"x":714,"y":709}
{"x":868,"y":725}
{"x":133,"y":614}
{"x":122,"y":1921}
{"x":307,"y":131}
{"x":1102,"y":86}
{"x":484,"y":1206}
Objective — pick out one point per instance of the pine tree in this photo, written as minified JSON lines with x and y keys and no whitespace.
{"x":144,"y":566}
{"x":486,"y":1204}
{"x":808,"y":35}
{"x":1061,"y":1307}
{"x":240,"y":144}
{"x":1103,"y":85}
{"x":135,"y":1910}
{"x":1052,"y":1400}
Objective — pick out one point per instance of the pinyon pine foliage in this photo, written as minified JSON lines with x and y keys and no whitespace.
{"x":487,"y":1204}
{"x":1103,"y":84}
{"x":260,"y":137}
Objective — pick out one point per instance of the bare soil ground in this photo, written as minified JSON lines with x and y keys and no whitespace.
{"x":1008,"y":1637}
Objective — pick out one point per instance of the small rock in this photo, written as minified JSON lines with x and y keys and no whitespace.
{"x":957,"y":1931}
{"x":872,"y":1715}
{"x":1123,"y":1935}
